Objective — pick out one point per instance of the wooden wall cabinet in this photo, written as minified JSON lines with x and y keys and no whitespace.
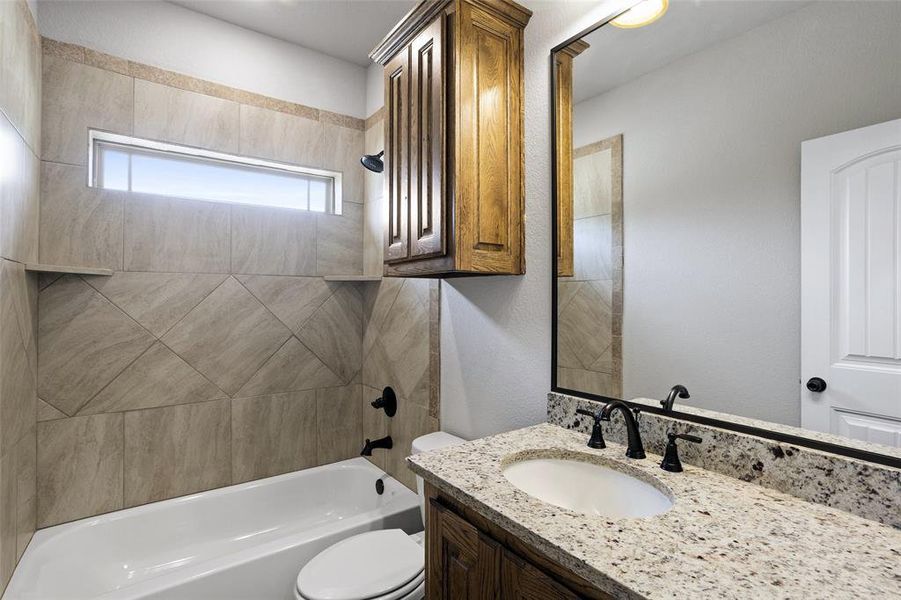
{"x":563,"y":115}
{"x":470,"y":558}
{"x":454,"y":186}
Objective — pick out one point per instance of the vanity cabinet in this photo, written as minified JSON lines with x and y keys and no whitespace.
{"x":453,"y":72}
{"x":470,"y":558}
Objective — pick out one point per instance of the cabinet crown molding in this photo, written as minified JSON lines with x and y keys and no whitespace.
{"x":423,"y":13}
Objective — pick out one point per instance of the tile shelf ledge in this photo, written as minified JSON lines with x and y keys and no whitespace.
{"x":40,"y":268}
{"x":352,"y":277}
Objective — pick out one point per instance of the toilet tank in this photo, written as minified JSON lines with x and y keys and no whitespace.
{"x":426,"y":443}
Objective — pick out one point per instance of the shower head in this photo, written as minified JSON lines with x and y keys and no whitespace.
{"x":373,"y":162}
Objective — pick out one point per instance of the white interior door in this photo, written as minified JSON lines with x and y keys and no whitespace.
{"x":851,"y":283}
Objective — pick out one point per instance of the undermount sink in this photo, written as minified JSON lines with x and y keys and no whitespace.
{"x":586,"y":487}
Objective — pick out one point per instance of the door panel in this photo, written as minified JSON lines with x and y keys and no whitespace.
{"x":851,"y":282}
{"x":489,"y":153}
{"x":523,"y":581}
{"x":427,"y":198}
{"x":397,"y":156}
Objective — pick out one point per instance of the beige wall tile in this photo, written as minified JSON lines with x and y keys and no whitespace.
{"x":172,"y":115}
{"x":375,"y":425}
{"x":335,"y":332}
{"x":156,"y":300}
{"x":411,"y":421}
{"x":342,"y":148}
{"x":398,"y":344}
{"x":79,"y":468}
{"x":20,"y":70}
{"x":294,"y":367}
{"x":47,"y":412}
{"x":19,"y":189}
{"x":157,"y":378}
{"x":176,"y":450}
{"x":84,"y":342}
{"x":292,"y":299}
{"x":278,"y":136}
{"x":80,"y":226}
{"x":25,"y":461}
{"x":592,"y":248}
{"x":339,"y":248}
{"x":373,"y":211}
{"x":273,"y":241}
{"x":339,"y":422}
{"x":172,"y":234}
{"x":585,"y":324}
{"x":228,"y":336}
{"x":17,"y":377}
{"x":273,"y":435}
{"x":592,"y":184}
{"x":77,"y":97}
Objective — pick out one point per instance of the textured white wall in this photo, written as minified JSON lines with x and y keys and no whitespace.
{"x":496,"y":331}
{"x":175,"y":38}
{"x":375,"y":88}
{"x":712,"y":197}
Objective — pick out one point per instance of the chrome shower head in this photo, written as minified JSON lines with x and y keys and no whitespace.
{"x":373,"y":162}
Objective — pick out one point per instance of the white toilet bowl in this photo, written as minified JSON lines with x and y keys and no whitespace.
{"x":387,"y":564}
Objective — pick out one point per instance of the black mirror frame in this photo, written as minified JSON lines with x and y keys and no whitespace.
{"x":816,"y":444}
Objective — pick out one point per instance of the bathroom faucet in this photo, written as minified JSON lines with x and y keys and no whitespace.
{"x":385,"y":442}
{"x":678,"y":390}
{"x":635,"y":449}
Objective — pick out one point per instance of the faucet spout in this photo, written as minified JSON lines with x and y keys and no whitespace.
{"x":678,"y":390}
{"x":636,"y":448}
{"x":385,"y":442}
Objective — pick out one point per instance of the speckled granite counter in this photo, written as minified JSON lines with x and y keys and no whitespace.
{"x":724,"y":538}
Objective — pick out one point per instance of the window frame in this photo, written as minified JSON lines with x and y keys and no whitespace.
{"x":97,"y":137}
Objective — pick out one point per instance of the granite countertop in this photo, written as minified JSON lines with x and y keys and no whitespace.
{"x":723,"y":538}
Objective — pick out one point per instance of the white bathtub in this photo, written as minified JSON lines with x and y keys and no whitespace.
{"x":246,"y":541}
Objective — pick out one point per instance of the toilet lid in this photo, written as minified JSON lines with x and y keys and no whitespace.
{"x":364,"y":566}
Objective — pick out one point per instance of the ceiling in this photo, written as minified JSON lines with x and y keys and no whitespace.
{"x":616,"y":56}
{"x":346,"y":29}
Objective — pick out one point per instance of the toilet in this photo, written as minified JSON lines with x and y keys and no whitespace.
{"x":387,"y":564}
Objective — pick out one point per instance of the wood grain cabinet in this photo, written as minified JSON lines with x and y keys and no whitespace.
{"x":471,"y":558}
{"x":454,"y":191}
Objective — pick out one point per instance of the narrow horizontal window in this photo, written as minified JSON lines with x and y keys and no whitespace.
{"x":130,"y":164}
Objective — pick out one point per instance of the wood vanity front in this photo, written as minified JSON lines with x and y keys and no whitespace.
{"x":470,"y":558}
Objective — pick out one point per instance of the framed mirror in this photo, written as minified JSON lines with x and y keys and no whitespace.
{"x":727,"y":217}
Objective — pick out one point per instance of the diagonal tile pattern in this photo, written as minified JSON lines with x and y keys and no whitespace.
{"x":292,"y":299}
{"x":85,"y":342}
{"x":335,"y":332}
{"x":156,"y":300}
{"x":158,"y":378}
{"x":292,"y":368}
{"x":228,"y":336}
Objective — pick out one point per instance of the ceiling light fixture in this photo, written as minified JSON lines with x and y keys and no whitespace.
{"x":643,"y":13}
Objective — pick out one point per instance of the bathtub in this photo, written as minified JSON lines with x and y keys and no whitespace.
{"x":246,"y":541}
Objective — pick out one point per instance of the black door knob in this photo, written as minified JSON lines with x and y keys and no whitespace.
{"x":816,"y":384}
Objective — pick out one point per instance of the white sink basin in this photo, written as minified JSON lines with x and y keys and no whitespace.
{"x":587,"y":487}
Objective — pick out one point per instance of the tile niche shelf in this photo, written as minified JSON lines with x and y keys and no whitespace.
{"x":352,"y":277}
{"x":39,"y":268}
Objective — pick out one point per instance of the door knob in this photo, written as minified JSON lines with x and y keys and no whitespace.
{"x":816,"y":384}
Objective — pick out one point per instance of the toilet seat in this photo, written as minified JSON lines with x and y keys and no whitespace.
{"x":378,"y":565}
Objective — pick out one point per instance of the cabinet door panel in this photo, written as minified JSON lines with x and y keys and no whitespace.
{"x":521,"y":580}
{"x":489,"y":190}
{"x":397,"y":156}
{"x":464,"y":564}
{"x":427,"y":198}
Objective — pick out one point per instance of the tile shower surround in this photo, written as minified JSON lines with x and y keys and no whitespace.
{"x":865,"y":489}
{"x":20,"y":138}
{"x":216,"y":353}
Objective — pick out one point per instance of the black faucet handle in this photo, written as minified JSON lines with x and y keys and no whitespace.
{"x":684,"y":436}
{"x":597,"y":434}
{"x":671,"y":460}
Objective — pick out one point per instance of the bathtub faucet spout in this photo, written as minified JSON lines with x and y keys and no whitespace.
{"x":385,"y":442}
